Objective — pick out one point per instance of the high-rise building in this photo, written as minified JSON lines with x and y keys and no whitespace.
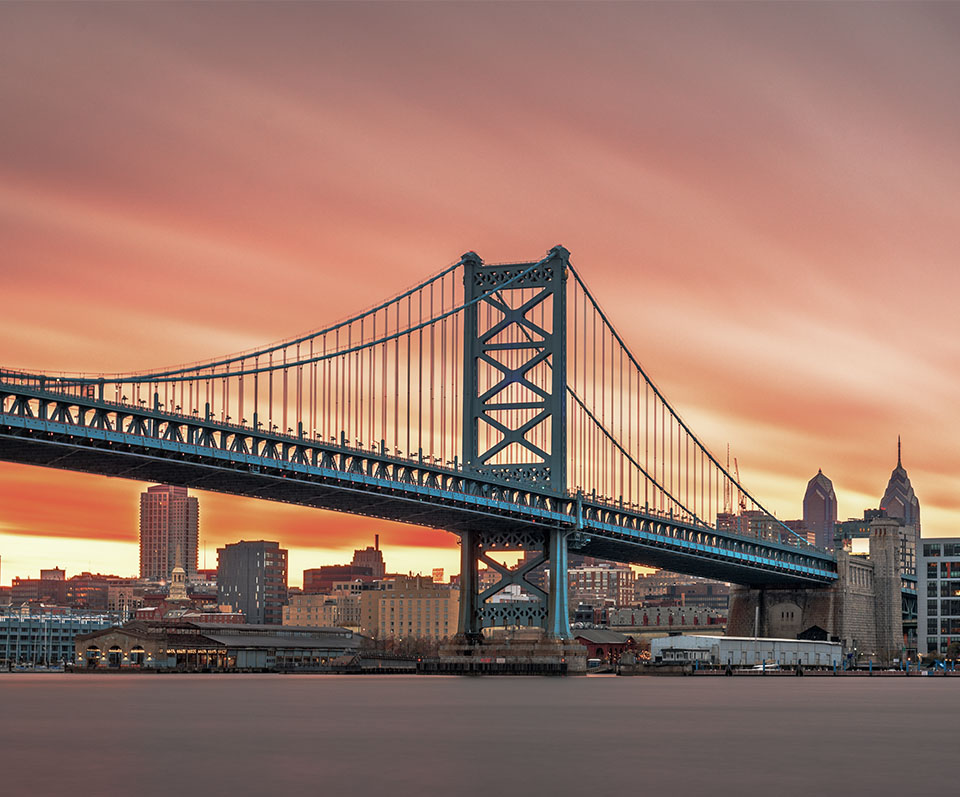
{"x":899,"y":500}
{"x":252,"y":578}
{"x":168,"y":518}
{"x":820,"y":509}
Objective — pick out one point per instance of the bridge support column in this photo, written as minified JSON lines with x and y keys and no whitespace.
{"x":558,"y":614}
{"x":469,"y":624}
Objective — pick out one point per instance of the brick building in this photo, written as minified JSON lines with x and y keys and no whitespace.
{"x":410,"y":607}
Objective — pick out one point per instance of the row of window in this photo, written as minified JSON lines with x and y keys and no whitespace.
{"x":946,"y":570}
{"x":948,"y":608}
{"x":945,"y":625}
{"x":947,"y":589}
{"x":941,"y":549}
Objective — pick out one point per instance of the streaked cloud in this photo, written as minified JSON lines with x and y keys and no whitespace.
{"x":764,"y":197}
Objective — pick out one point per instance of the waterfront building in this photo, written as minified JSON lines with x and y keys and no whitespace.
{"x":186,"y":645}
{"x":820,"y":510}
{"x":252,"y":578}
{"x":169,"y":518}
{"x":745,"y":651}
{"x":40,"y":637}
{"x":938,"y":594}
{"x":604,"y":645}
{"x":410,"y":607}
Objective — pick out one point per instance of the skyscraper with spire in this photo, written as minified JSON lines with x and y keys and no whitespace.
{"x":820,"y":509}
{"x":899,"y":500}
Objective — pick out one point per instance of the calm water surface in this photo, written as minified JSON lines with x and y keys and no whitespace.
{"x":397,"y":735}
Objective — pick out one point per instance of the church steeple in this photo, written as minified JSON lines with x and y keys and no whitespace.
{"x":178,"y":583}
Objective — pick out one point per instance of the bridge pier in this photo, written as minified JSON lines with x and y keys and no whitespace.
{"x":558,"y":610}
{"x":469,"y":627}
{"x":550,"y":610}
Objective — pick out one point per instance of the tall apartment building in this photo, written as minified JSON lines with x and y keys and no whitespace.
{"x":938,"y":594}
{"x":410,"y":607}
{"x":169,"y":518}
{"x":252,"y":578}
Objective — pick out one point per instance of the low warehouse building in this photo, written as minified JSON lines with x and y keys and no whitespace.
{"x":201,"y":646}
{"x":745,"y":651}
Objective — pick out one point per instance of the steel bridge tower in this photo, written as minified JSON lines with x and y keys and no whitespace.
{"x":514,"y":428}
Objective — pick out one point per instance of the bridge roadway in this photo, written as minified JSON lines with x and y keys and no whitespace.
{"x":63,"y":430}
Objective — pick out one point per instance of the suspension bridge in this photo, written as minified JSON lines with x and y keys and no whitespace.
{"x":494,"y":401}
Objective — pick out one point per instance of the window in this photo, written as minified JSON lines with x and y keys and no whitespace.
{"x":932,"y":609}
{"x":950,"y":608}
{"x":948,"y":589}
{"x":931,"y":549}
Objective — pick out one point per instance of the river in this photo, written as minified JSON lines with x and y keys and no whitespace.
{"x":397,"y":735}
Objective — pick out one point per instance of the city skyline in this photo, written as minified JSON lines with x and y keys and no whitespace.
{"x":808,"y":239}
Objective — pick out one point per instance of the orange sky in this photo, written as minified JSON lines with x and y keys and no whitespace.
{"x":765,"y":199}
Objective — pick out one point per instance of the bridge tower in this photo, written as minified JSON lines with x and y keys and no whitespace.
{"x":514,"y":427}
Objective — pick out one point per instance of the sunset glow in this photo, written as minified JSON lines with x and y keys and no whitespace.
{"x":763,"y":197}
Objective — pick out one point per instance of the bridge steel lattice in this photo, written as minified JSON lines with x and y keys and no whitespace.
{"x":496,"y":402}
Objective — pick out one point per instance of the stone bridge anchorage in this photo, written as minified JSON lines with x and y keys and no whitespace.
{"x":866,"y":608}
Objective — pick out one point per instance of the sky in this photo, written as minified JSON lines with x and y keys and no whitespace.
{"x":765,"y":198}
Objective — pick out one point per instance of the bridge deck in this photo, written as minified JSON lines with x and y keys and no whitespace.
{"x":373,"y":485}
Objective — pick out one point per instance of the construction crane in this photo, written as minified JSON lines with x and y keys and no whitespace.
{"x":743,"y":503}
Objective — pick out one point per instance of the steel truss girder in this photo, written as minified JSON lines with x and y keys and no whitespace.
{"x":616,"y":531}
{"x":532,"y":346}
